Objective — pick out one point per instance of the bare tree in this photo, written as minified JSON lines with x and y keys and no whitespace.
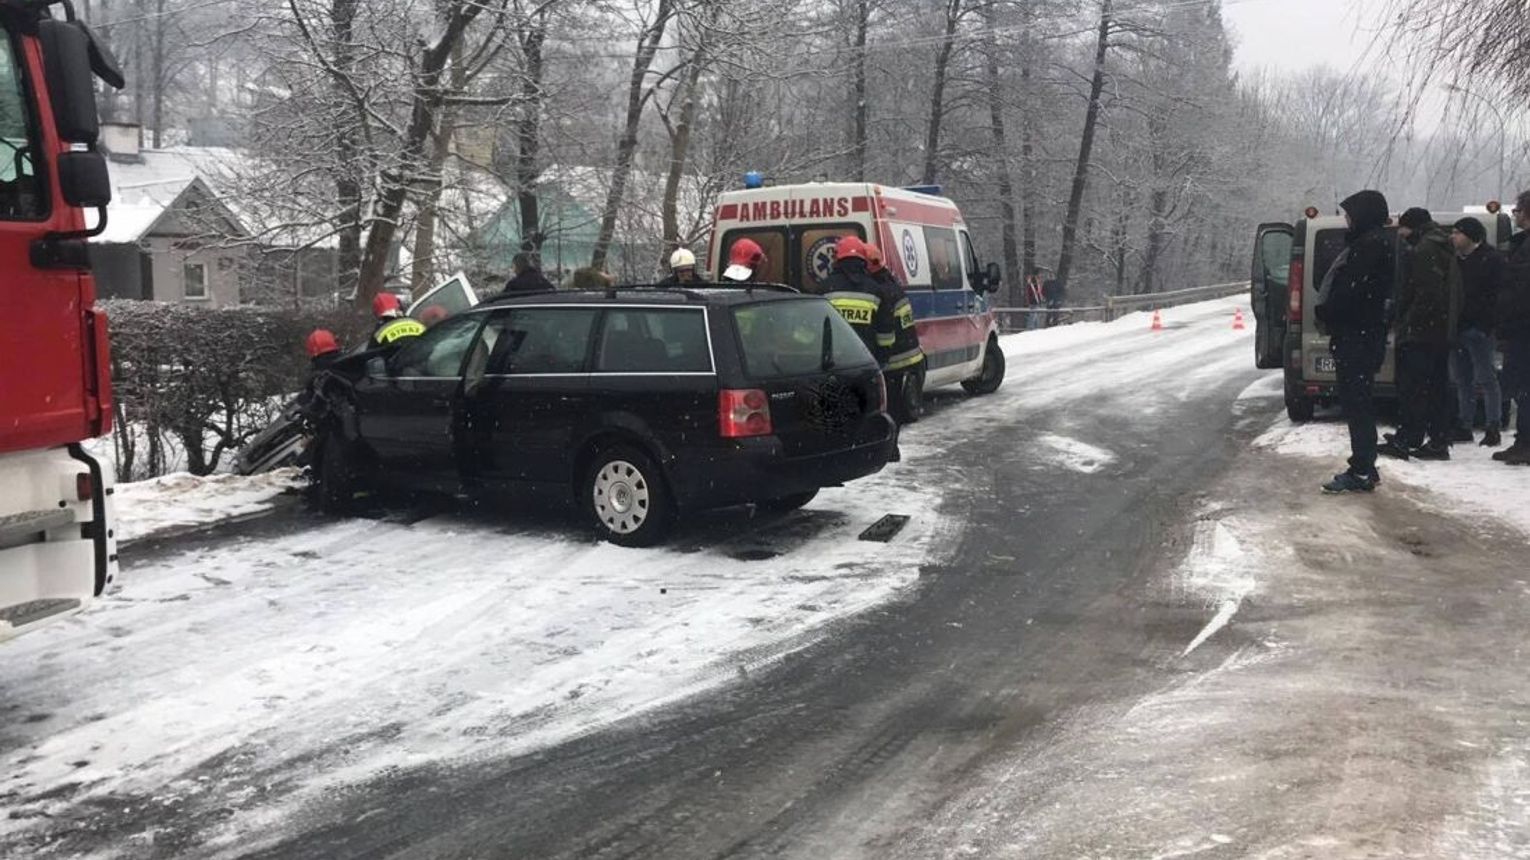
{"x":638,"y":92}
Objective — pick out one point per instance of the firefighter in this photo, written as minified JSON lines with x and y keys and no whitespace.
{"x":323,"y":349}
{"x":745,"y":259}
{"x":881,"y":314}
{"x":682,"y":267}
{"x":392,"y":325}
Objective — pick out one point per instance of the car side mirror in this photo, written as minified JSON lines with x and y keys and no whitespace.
{"x":377,"y":367}
{"x":993,"y":276}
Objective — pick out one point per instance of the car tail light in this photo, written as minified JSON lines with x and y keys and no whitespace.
{"x":1298,"y":276}
{"x":743,"y":413}
{"x":882,"y":393}
{"x":84,"y":486}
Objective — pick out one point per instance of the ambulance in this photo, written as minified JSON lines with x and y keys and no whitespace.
{"x":924,"y":242}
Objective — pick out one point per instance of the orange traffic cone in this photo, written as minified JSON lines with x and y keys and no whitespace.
{"x":1157,"y":321}
{"x":1238,"y":320}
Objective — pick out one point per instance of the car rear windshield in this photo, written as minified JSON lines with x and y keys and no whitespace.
{"x":788,"y":338}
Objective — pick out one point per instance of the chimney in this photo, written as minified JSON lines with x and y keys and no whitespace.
{"x":121,"y":141}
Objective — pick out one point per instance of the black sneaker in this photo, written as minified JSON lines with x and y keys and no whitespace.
{"x":1512,"y":450}
{"x":1349,"y":482}
{"x":1491,"y":438}
{"x":1462,"y":433}
{"x":1432,"y":451}
{"x":1392,"y":448}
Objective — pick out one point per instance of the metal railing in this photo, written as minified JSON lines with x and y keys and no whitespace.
{"x":1115,"y":306}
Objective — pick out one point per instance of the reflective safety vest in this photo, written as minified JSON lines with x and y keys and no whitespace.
{"x":880,"y":314}
{"x":398,"y":329}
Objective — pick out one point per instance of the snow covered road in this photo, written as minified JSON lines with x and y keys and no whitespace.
{"x":1106,"y":589}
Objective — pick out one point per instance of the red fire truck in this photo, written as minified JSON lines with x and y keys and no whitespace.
{"x":57,"y":547}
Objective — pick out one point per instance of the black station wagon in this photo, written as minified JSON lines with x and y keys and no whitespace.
{"x":644,"y":403}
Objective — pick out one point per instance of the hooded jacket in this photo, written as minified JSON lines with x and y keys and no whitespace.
{"x":1429,"y":296}
{"x":1355,"y":293}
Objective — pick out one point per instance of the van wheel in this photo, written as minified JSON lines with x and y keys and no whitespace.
{"x":627,"y":499}
{"x":787,"y":504}
{"x":992,"y":376}
{"x":1300,"y":409}
{"x":337,"y":482}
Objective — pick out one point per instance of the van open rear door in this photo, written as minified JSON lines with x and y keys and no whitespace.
{"x":1269,"y":280}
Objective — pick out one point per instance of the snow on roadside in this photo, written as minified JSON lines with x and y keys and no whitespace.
{"x":182,"y":500}
{"x":359,"y":647}
{"x":1471,"y":481}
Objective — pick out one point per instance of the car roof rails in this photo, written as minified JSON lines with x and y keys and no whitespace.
{"x":696,"y":291}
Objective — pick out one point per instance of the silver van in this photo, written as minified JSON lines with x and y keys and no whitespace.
{"x":1290,"y":261}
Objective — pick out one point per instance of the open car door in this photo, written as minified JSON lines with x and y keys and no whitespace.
{"x":1268,"y":284}
{"x":452,"y":296}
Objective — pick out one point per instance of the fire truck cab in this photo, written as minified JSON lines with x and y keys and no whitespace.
{"x":57,"y":544}
{"x":924,"y":242}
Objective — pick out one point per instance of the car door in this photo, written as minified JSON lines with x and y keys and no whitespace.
{"x":1268,"y":292}
{"x":523,"y":411}
{"x":452,"y":297}
{"x":407,"y":406}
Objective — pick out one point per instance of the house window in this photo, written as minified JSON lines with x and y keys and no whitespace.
{"x":196,"y":281}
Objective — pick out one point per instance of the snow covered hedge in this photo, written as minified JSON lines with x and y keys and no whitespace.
{"x":192,"y":384}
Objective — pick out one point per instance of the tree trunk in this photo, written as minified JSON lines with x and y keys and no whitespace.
{"x":680,"y":140}
{"x":1028,"y":173}
{"x":938,"y":93}
{"x":157,"y":78}
{"x":626,"y":146}
{"x":426,"y":103}
{"x":348,"y":183}
{"x":1085,"y":146}
{"x":423,"y":268}
{"x":1001,"y":163}
{"x":528,"y":134}
{"x":859,"y":109}
{"x":1157,"y":238}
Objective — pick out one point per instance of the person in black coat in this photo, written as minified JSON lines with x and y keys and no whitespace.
{"x":528,"y":278}
{"x":1514,"y":334}
{"x":1471,"y":362}
{"x":1351,"y":308}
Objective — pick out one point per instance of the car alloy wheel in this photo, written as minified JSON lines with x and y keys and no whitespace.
{"x":622,"y":497}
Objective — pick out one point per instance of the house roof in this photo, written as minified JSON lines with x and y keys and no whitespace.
{"x":144,"y":190}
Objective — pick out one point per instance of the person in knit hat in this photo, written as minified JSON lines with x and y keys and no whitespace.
{"x":1471,"y":362}
{"x":1427,"y":311}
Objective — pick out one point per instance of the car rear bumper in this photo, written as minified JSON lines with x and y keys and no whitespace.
{"x":759,"y":469}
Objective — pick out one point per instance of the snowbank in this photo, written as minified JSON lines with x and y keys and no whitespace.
{"x":180,"y":501}
{"x":1471,"y":481}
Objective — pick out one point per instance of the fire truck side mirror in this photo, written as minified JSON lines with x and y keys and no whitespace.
{"x":67,"y":64}
{"x":84,"y":180}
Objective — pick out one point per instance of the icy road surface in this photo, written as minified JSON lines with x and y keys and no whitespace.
{"x":1116,"y":626}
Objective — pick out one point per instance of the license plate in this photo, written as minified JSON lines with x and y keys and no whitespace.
{"x":1325,"y":364}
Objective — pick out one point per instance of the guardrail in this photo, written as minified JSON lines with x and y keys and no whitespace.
{"x":1114,"y":306}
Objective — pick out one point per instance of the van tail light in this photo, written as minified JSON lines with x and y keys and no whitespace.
{"x":84,"y":486}
{"x":742,"y":413}
{"x":1298,"y":277}
{"x":882,"y":393}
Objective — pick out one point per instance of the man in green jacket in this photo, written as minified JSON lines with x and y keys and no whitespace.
{"x":1426,"y":314}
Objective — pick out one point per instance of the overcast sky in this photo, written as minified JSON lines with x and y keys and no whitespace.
{"x":1295,"y":34}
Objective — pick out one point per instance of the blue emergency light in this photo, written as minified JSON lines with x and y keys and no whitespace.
{"x":754,"y":179}
{"x":931,"y":190}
